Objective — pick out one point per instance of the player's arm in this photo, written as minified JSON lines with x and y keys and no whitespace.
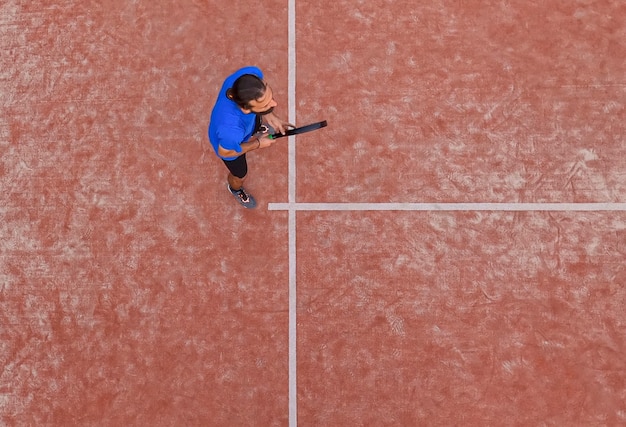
{"x":256,"y":142}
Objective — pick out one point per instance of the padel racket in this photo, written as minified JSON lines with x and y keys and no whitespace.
{"x":301,"y":129}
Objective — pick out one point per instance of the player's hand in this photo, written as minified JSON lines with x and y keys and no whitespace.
{"x":277,"y":123}
{"x":265,"y":140}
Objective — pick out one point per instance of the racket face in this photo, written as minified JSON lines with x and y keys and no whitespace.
{"x":302,"y":129}
{"x":309,"y":128}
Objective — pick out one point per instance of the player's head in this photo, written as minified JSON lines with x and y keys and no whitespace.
{"x":252,"y":95}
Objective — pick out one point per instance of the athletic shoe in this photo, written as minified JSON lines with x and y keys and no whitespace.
{"x":246,"y":200}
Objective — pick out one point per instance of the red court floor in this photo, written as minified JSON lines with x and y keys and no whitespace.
{"x":134,"y":291}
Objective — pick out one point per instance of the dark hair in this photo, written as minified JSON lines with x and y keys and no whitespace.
{"x":246,"y":88}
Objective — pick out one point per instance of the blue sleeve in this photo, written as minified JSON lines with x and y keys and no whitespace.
{"x":250,"y":70}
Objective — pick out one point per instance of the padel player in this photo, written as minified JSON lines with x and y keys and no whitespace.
{"x":239,"y":124}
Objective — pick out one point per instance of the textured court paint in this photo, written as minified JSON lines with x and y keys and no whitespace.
{"x":133,"y":291}
{"x":461,"y":318}
{"x":131,"y":287}
{"x":463,"y":101}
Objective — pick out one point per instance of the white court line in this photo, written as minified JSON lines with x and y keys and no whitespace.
{"x":291,"y":100}
{"x":293,"y":207}
{"x":511,"y":207}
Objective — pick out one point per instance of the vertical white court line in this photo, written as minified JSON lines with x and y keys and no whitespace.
{"x":293,"y":385}
{"x":291,"y":99}
{"x":293,"y":390}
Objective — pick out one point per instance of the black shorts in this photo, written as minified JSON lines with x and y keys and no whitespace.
{"x":238,"y":166}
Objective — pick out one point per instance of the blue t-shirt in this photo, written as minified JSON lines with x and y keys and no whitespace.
{"x":229,"y":126}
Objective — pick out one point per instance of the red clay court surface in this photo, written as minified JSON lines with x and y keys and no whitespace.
{"x":134,"y":291}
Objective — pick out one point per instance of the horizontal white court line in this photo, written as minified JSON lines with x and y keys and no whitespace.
{"x":515,"y":207}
